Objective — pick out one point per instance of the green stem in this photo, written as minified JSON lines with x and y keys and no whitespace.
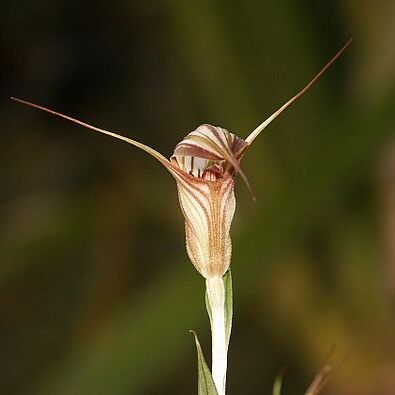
{"x":215,"y":289}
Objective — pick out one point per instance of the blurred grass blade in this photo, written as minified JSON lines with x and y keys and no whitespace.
{"x":278,"y":382}
{"x":320,"y":380}
{"x":206,"y":384}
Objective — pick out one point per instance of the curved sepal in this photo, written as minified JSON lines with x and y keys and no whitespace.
{"x":174,"y":170}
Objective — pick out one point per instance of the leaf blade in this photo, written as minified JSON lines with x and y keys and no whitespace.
{"x":228,"y":304}
{"x":206,"y":384}
{"x":228,"y":310}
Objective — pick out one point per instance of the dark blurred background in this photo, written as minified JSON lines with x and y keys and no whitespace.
{"x":96,"y":292}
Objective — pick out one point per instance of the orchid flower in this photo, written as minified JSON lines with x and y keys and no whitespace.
{"x":204,"y":165}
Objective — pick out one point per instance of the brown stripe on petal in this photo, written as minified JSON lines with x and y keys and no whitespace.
{"x":220,"y":135}
{"x":208,"y":208}
{"x":212,"y":146}
{"x":193,"y":149}
{"x":217,"y":144}
{"x":238,"y":147}
{"x":204,"y":142}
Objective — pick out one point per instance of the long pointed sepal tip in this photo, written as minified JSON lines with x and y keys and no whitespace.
{"x":255,"y":133}
{"x":172,"y":169}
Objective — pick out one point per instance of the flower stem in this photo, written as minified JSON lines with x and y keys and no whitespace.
{"x":216,"y":301}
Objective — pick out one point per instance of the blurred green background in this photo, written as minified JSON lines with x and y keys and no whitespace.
{"x":96,"y":292}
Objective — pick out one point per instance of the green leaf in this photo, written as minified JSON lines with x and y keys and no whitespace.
{"x":206,"y":384}
{"x":208,"y":308}
{"x":228,"y":305}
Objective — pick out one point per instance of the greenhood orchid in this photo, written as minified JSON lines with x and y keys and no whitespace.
{"x":204,"y":165}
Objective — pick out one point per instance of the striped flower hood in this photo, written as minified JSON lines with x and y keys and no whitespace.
{"x":208,"y":159}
